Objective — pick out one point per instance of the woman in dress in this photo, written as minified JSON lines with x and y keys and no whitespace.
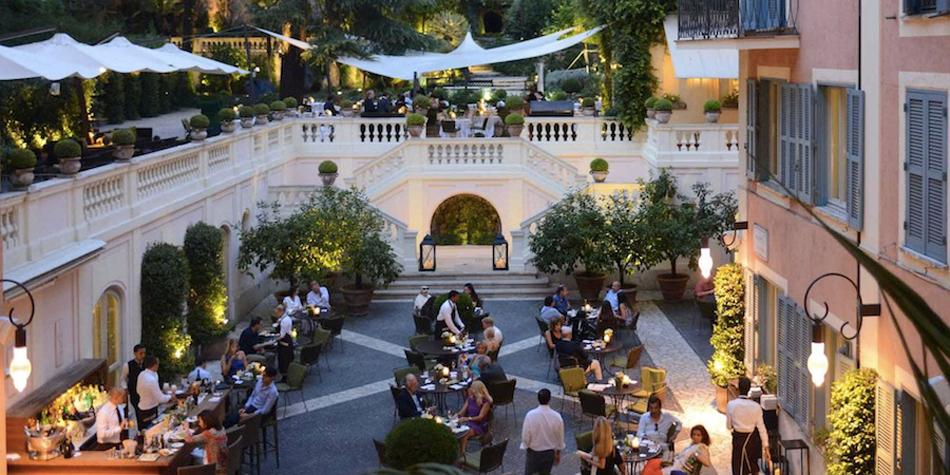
{"x":477,"y":301}
{"x":475,"y":413}
{"x":213,"y":439}
{"x":694,"y":457}
{"x":233,"y":360}
{"x":604,"y":455}
{"x":292,"y":303}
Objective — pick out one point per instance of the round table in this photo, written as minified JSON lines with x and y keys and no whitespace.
{"x":435,"y":349}
{"x":619,"y":395}
{"x":601,"y":352}
{"x":636,"y":459}
{"x":440,"y":391}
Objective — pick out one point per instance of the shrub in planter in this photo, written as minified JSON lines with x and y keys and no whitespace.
{"x":627,"y":238}
{"x":420,"y":440}
{"x":712,"y":108}
{"x":207,"y":292}
{"x":650,"y":105}
{"x":346,"y":107}
{"x":246,"y":113}
{"x":851,"y":439}
{"x":499,"y":95}
{"x":124,"y":141}
{"x":515,"y":124}
{"x":164,"y":287}
{"x":587,"y":106}
{"x":226,"y":116}
{"x":415,"y":123}
{"x":290,"y":102}
{"x":22,"y":161}
{"x":199,"y":127}
{"x":260,"y":111}
{"x":328,"y":172}
{"x":766,"y":377}
{"x":664,"y":110}
{"x":277,"y":109}
{"x":571,"y":85}
{"x":727,"y":362}
{"x":515,"y":104}
{"x":421,"y":102}
{"x":69,"y":153}
{"x":557,"y":95}
{"x":599,"y":169}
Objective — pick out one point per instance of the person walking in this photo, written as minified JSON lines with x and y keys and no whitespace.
{"x":750,"y":440}
{"x":542,"y":435}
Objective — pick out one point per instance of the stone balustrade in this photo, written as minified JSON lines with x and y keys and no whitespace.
{"x":668,"y":144}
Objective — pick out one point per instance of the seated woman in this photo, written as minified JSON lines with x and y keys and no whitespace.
{"x":475,"y":413}
{"x":629,"y":311}
{"x":606,"y":318}
{"x":687,"y":461}
{"x":553,"y":334}
{"x":233,"y":360}
{"x":213,"y":439}
{"x":604,"y":455}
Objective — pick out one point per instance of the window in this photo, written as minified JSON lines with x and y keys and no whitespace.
{"x":833,"y":117}
{"x":762,"y":123}
{"x":794,"y":346}
{"x":760,"y":321}
{"x":925,"y":221}
{"x":921,"y":7}
{"x":105,"y":328}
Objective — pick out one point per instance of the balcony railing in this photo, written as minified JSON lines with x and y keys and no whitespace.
{"x":719,"y":19}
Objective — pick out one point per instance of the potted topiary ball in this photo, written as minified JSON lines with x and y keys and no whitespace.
{"x":22,"y":161}
{"x":587,"y":106}
{"x":247,"y":116}
{"x":124,"y":141}
{"x":515,"y":104}
{"x":227,"y":116}
{"x":290,"y":103}
{"x":599,"y":168}
{"x":69,"y":154}
{"x":515,"y":123}
{"x":416,"y":124}
{"x":664,"y":110}
{"x":650,"y":105}
{"x":277,"y":110}
{"x":712,"y":108}
{"x":422,"y":104}
{"x":260,"y":113}
{"x":346,"y":107}
{"x":418,"y":441}
{"x":199,"y":127}
{"x":328,"y":172}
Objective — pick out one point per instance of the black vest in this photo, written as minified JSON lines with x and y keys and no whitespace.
{"x":134,"y":370}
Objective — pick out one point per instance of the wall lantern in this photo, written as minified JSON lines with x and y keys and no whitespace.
{"x":20,"y":366}
{"x":499,"y":253}
{"x":705,"y":259}
{"x":427,"y":254}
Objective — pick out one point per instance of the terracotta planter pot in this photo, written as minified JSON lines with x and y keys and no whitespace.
{"x":247,"y":122}
{"x":651,"y":113}
{"x":722,"y":398}
{"x":22,"y":177}
{"x":599,"y":177}
{"x":415,"y":131}
{"x":672,"y":286}
{"x":123,"y":152}
{"x":514,"y":130}
{"x":663,"y":117}
{"x":228,"y":127}
{"x":712,"y":117}
{"x":214,"y":349}
{"x":631,"y":291}
{"x":590,"y":285}
{"x":70,"y":166}
{"x":357,"y":300}
{"x":328,"y":178}
{"x":198,"y":135}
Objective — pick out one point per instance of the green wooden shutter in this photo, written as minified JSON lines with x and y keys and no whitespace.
{"x":751,"y":316}
{"x":805,"y":136}
{"x":855,"y":158}
{"x":926,"y":166}
{"x":884,"y":425}
{"x":763,"y":319}
{"x":750,"y":129}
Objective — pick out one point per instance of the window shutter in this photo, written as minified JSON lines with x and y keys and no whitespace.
{"x":936,"y":204}
{"x":926,"y":166}
{"x":785,"y":368}
{"x":806,"y":142}
{"x":943,"y":6}
{"x":751,"y":316}
{"x":802,"y":350}
{"x":884,"y":433}
{"x":914,"y":165}
{"x":786,"y":136}
{"x":910,"y":7}
{"x":763,"y":319}
{"x":855,"y":158}
{"x":907,"y":429}
{"x":750,"y":130}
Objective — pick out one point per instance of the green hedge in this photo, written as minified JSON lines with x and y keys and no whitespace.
{"x":851,"y":439}
{"x":207,"y":291}
{"x":728,"y":359}
{"x":150,"y":103}
{"x":164,"y":287}
{"x":417,"y":441}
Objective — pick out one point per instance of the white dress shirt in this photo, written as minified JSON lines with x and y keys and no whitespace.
{"x":322,"y":300}
{"x":449,"y":315}
{"x":292,"y":305}
{"x":744,"y":415}
{"x":656,"y":431}
{"x":286,"y":326}
{"x":611,"y":297}
{"x":150,"y":394}
{"x":419,"y":302}
{"x":109,"y":424}
{"x":498,"y":336}
{"x":542,"y":429}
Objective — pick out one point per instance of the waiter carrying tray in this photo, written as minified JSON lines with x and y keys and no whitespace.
{"x":750,"y":440}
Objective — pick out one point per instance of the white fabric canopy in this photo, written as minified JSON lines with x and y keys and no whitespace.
{"x":16,"y":64}
{"x":705,"y":63}
{"x":469,"y":53}
{"x":193,"y":62}
{"x":62,"y":48}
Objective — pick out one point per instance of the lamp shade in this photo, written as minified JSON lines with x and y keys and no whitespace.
{"x":427,"y":254}
{"x":705,"y":262}
{"x":499,"y":253}
{"x":817,"y":360}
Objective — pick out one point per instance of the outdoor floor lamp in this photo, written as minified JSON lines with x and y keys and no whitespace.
{"x":20,"y":366}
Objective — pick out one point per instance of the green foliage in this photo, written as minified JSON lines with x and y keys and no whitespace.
{"x":587,"y":102}
{"x":499,"y":95}
{"x":327,"y":166}
{"x":727,"y":360}
{"x":415,"y":120}
{"x":199,"y":121}
{"x":464,"y":220}
{"x":767,"y":377}
{"x":246,"y":112}
{"x":110,"y":99}
{"x":164,"y":287}
{"x":420,"y":440}
{"x":290,"y":102}
{"x":421,"y":102}
{"x":712,"y":105}
{"x":557,"y":95}
{"x":278,"y":106}
{"x":731,"y":100}
{"x":123,"y":137}
{"x":132,"y":88}
{"x":674,"y":98}
{"x":572,"y":234}
{"x":207,"y":292}
{"x":571,"y":85}
{"x":439,"y":93}
{"x":663,"y":105}
{"x":465,"y":306}
{"x":628,"y":240}
{"x":150,"y":104}
{"x":261,"y":109}
{"x":67,"y":148}
{"x":346,"y":104}
{"x":650,"y":102}
{"x":527,"y":19}
{"x":461,"y":97}
{"x":30,"y":116}
{"x":851,"y":439}
{"x":599,"y":165}
{"x":226,"y":114}
{"x":514,"y":119}
{"x":22,"y":158}
{"x":515,"y":103}
{"x":448,"y":26}
{"x":421,"y":469}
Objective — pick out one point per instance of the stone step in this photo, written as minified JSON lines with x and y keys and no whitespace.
{"x":500,"y":285}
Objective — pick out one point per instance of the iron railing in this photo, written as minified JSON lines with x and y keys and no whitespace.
{"x":716,"y":19}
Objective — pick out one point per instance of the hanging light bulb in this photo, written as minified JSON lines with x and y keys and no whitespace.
{"x":705,"y":259}
{"x":20,"y":366}
{"x":817,"y":361}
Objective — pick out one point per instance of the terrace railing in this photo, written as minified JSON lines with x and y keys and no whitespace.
{"x":720,"y":19}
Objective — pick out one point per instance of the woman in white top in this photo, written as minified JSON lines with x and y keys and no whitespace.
{"x":292,"y":303}
{"x":691,"y":460}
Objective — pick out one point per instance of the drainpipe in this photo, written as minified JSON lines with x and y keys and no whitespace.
{"x":857,"y":345}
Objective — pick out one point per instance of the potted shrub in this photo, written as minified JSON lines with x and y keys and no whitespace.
{"x":277,"y":110}
{"x":727,"y":362}
{"x":199,"y":127}
{"x":419,"y":441}
{"x":599,"y":168}
{"x":515,"y":124}
{"x":290,"y":104}
{"x":346,"y":107}
{"x":416,"y":124}
{"x":22,"y":161}
{"x":421,"y":104}
{"x":328,"y":172}
{"x":261,"y":111}
{"x":557,"y":95}
{"x":650,"y":105}
{"x":69,"y":154}
{"x":587,"y":106}
{"x":247,"y":116}
{"x":226,"y":116}
{"x":124,"y":141}
{"x":515,"y":104}
{"x":731,"y":100}
{"x":664,"y":110}
{"x":571,"y":85}
{"x":712,"y":108}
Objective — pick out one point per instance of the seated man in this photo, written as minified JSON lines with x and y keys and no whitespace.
{"x":489,"y":372}
{"x":656,"y":425}
{"x":575,"y":349}
{"x":199,"y":373}
{"x":548,"y":312}
{"x":495,"y":338}
{"x":408,"y":402}
{"x":252,"y":343}
{"x":318,"y":297}
{"x":262,"y":399}
{"x":611,"y":296}
{"x":560,"y":300}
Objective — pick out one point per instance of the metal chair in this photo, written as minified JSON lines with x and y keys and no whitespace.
{"x":631,"y":361}
{"x":450,"y":128}
{"x":321,"y":336}
{"x":380,"y":452}
{"x":639,"y":406}
{"x":310,"y":357}
{"x":416,"y":339}
{"x":423,"y":325}
{"x":572,"y":381}
{"x":414,"y":358}
{"x":503,"y":394}
{"x":650,"y":380}
{"x":269,"y":421}
{"x":234,"y":456}
{"x":487,"y":459}
{"x":394,"y":392}
{"x":252,"y":442}
{"x":335,"y":326}
{"x":584,"y":442}
{"x":543,"y":328}
{"x":296,"y":373}
{"x":206,"y":469}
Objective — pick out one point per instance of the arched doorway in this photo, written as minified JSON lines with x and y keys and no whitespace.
{"x":106,"y":340}
{"x":465,"y":220}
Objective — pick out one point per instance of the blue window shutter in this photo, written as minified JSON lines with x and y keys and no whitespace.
{"x":907,"y":428}
{"x":786,"y":160}
{"x":806,"y":143}
{"x":821,"y":148}
{"x":936,"y":204}
{"x":763,"y":319}
{"x":751,"y":94}
{"x":915,"y":157}
{"x":786,"y":368}
{"x":855,"y":158}
{"x":803,"y":343}
{"x":943,"y":6}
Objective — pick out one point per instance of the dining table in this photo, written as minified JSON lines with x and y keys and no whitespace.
{"x":636,"y":458}
{"x":600,"y":349}
{"x":440,"y":388}
{"x":435,"y":348}
{"x":617,"y":395}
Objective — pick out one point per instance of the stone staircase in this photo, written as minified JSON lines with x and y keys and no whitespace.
{"x":490,"y":286}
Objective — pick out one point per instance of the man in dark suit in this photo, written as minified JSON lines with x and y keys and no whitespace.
{"x":575,"y":349}
{"x":409,"y":403}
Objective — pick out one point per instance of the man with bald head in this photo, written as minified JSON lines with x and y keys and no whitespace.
{"x":612,"y":296}
{"x":409,"y":403}
{"x":111,"y":424}
{"x":569,"y":349}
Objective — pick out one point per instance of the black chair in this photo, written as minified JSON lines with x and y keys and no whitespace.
{"x":394,"y":392}
{"x":206,"y":469}
{"x":488,"y":459}
{"x":450,"y":128}
{"x":252,"y":443}
{"x":380,"y":452}
{"x":479,"y":131}
{"x":310,"y":357}
{"x":542,"y":328}
{"x":269,"y":421}
{"x":335,"y":326}
{"x":594,"y":405}
{"x":503,"y":394}
{"x":423,"y":325}
{"x":416,"y":359}
{"x":235,"y":449}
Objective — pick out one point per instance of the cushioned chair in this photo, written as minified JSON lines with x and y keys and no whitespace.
{"x":415,"y":340}
{"x":380,"y":452}
{"x":594,"y":405}
{"x":542,"y":328}
{"x":310,"y":357}
{"x":585,"y":443}
{"x":572,"y":381}
{"x":631,"y":361}
{"x":650,"y":380}
{"x":269,"y":425}
{"x":503,"y":394}
{"x":394,"y":392}
{"x":450,"y":128}
{"x":206,"y":469}
{"x":296,"y":373}
{"x":423,"y":325}
{"x":335,"y":326}
{"x":399,"y":374}
{"x":414,"y":358}
{"x":639,"y":406}
{"x":487,"y":459}
{"x":321,"y":336}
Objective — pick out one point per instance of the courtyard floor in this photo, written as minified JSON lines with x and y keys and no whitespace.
{"x":329,"y":427}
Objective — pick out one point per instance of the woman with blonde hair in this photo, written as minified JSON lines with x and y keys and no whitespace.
{"x":475,"y":413}
{"x":233,"y":360}
{"x":604,"y":456}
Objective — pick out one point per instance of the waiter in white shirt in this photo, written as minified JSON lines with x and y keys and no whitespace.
{"x":150,"y":393}
{"x":318,"y":296}
{"x":110,"y":422}
{"x":420,"y":301}
{"x":285,"y":343}
{"x":542,"y":436}
{"x":750,"y":440}
{"x":448,"y":318}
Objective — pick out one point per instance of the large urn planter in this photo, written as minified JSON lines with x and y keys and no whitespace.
{"x":712,"y":117}
{"x":228,"y":126}
{"x":328,"y":178}
{"x":651,"y":113}
{"x":357,"y":300}
{"x":663,"y":117}
{"x":514,"y":130}
{"x":214,"y":349}
{"x":247,"y":122}
{"x":198,"y":135}
{"x":587,"y":111}
{"x":70,"y":166}
{"x":22,"y":177}
{"x":599,"y":176}
{"x":415,"y":131}
{"x":722,"y":398}
{"x":630,"y":290}
{"x":672,"y":286}
{"x":589,"y":285}
{"x":123,"y":152}
{"x":262,"y":119}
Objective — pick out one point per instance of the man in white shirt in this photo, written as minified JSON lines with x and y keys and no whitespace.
{"x":494,"y":337}
{"x":150,"y":393}
{"x":750,"y":440}
{"x":420,"y":300}
{"x":110,"y":422}
{"x":655,"y":424}
{"x":612,"y":297}
{"x":318,"y":296}
{"x":542,"y":435}
{"x":549,"y":312}
{"x":285,"y":343}
{"x":448,"y":318}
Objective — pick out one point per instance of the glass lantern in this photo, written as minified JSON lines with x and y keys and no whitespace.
{"x":499,"y":253}
{"x":427,"y":254}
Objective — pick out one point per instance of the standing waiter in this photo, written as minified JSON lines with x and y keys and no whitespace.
{"x":285,"y":343}
{"x":750,"y":440}
{"x":130,"y":376}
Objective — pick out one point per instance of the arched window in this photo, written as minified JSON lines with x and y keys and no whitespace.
{"x":106,"y":316}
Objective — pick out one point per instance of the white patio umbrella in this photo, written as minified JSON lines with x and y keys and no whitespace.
{"x":145,"y":57}
{"x":194,"y":62}
{"x":63,"y":48}
{"x":15,"y":64}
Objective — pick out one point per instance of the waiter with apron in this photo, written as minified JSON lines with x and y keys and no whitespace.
{"x":750,"y":440}
{"x":285,"y":343}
